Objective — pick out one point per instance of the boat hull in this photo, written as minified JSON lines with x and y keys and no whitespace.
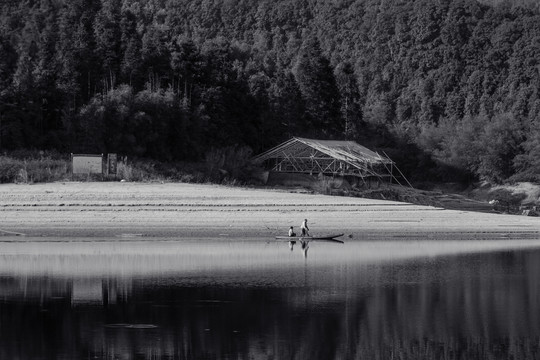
{"x":310,"y":238}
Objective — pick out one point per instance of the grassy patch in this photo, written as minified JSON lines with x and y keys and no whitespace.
{"x":46,"y":169}
{"x":37,"y":167}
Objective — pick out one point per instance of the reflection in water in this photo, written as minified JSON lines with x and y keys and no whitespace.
{"x":216,"y":300}
{"x":304,"y":246}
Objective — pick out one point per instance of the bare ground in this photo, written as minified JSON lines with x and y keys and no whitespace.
{"x":129,"y":211}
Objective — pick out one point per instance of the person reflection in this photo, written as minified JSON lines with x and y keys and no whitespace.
{"x":291,"y":244}
{"x":305,"y":246}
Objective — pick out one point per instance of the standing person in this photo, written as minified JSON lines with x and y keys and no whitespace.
{"x":305,"y":228}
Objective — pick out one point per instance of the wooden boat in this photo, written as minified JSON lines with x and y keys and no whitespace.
{"x":310,"y":238}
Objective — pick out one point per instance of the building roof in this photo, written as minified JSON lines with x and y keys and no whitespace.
{"x":347,"y":151}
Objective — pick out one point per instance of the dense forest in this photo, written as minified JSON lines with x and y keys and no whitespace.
{"x":445,"y":87}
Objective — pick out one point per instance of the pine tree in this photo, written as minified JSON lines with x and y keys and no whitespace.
{"x":351,"y":112}
{"x":287,"y":106}
{"x":27,"y":53}
{"x":108,"y":35}
{"x":131,"y":48}
{"x":155,"y":56}
{"x":319,"y":90}
{"x":186,"y":63}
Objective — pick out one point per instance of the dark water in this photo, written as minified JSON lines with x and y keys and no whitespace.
{"x":254,"y":300}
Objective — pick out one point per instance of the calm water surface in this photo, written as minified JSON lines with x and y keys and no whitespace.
{"x":227,"y":299}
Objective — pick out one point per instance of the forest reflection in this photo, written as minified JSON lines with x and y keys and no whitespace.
{"x":472,"y":306}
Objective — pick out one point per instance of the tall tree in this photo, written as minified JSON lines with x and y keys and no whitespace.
{"x":287,"y":106}
{"x":351,"y":111}
{"x":186,"y":63}
{"x":319,"y":90}
{"x":131,"y":48}
{"x":27,"y":53}
{"x":155,"y":56}
{"x":79,"y":68}
{"x":108,"y":33}
{"x":46,"y":69}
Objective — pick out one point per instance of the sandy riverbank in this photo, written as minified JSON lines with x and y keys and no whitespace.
{"x":134,"y":210}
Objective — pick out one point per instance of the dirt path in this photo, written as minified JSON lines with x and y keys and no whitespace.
{"x":136,"y":210}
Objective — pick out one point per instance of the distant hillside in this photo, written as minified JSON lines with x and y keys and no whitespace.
{"x":450,"y":89}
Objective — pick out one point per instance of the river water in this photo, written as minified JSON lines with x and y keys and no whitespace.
{"x":228,"y":299}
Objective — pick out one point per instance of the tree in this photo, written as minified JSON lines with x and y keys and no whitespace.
{"x":287,"y":106}
{"x":45,"y":71}
{"x":107,"y":34}
{"x":460,"y":145}
{"x":155,"y":56}
{"x":8,"y":62}
{"x":319,"y":90}
{"x":76,"y":54}
{"x":527,"y":164}
{"x":106,"y":122}
{"x":351,"y":111}
{"x":23,"y":78}
{"x":186,"y":63}
{"x":500,"y":145}
{"x":131,"y":48}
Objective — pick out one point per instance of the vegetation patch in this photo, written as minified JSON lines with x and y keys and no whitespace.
{"x":449,"y":89}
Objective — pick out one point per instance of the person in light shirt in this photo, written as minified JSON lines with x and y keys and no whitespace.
{"x":292,"y":241}
{"x":305,"y":228}
{"x":291,"y":232}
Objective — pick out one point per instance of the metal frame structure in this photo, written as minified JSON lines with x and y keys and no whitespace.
{"x":329,"y":157}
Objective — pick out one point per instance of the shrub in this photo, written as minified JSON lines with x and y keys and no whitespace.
{"x":325,"y":185}
{"x":506,"y":201}
{"x":149,"y":170}
{"x":46,"y":170}
{"x":9,"y":169}
{"x":131,"y":172}
{"x":229,"y":164}
{"x":33,"y":170}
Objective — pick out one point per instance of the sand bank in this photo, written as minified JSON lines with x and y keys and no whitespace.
{"x":140,"y":210}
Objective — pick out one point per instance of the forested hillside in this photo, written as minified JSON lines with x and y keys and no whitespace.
{"x":438,"y":84}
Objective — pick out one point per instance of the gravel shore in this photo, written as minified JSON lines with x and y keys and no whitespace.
{"x":125,"y":211}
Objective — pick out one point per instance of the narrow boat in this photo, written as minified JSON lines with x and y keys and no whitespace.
{"x":310,"y":238}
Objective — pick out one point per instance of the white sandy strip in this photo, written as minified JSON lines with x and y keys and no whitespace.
{"x":196,"y":211}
